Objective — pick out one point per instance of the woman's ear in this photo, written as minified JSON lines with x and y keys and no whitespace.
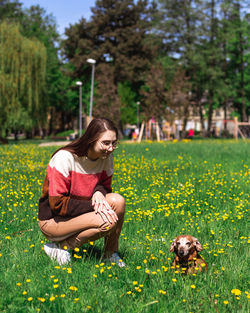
{"x":173,"y":245}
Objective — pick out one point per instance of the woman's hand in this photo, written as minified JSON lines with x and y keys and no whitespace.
{"x":102,"y":207}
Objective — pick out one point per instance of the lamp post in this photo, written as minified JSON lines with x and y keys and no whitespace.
{"x":138,"y":103}
{"x":92,"y":62}
{"x":80,"y":107}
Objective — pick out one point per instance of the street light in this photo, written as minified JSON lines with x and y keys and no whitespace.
{"x":80,"y":107}
{"x":138,"y":103}
{"x":92,"y":62}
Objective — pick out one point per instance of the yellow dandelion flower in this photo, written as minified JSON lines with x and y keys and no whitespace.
{"x":225,"y":302}
{"x":41,"y":299}
{"x":193,"y":286}
{"x":174,"y":280}
{"x":52,"y":298}
{"x":30,"y":299}
{"x":236,"y":292}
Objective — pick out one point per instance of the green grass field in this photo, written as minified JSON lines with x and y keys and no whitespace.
{"x":199,"y":188}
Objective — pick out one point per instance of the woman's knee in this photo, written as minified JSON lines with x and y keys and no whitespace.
{"x":116,"y":201}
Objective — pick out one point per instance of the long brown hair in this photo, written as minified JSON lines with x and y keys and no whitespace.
{"x":96,"y":127}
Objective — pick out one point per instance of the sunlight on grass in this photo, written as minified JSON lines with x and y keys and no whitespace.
{"x":198,"y":188}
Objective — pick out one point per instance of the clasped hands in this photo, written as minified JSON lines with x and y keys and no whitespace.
{"x":102,"y":208}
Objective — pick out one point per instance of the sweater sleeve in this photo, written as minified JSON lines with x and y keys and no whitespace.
{"x":59,"y":176}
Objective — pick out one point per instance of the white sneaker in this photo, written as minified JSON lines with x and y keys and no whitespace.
{"x":60,"y":255}
{"x":115,"y":258}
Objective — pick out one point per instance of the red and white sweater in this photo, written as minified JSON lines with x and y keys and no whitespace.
{"x":70,"y":183}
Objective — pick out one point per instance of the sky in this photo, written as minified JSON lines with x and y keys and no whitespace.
{"x":65,"y":11}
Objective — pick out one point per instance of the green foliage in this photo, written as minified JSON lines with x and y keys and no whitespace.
{"x":120,"y":31}
{"x":22,"y":79}
{"x":128,"y":103}
{"x":199,"y":187}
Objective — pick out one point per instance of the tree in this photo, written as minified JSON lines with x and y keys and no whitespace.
{"x":238,"y":54}
{"x":22,"y":80}
{"x":36,"y":23}
{"x":116,"y":36}
{"x":179,"y":95}
{"x":179,"y":23}
{"x":154,"y":93}
{"x":10,"y":10}
{"x":129,"y":104}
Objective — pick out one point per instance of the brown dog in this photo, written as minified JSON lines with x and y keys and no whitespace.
{"x":186,"y":250}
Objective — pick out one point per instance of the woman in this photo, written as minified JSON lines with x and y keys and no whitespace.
{"x":77,"y":203}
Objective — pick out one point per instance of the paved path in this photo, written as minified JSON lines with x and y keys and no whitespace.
{"x":64,"y":143}
{"x":54,"y":143}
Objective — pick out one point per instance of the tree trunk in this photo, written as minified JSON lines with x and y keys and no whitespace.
{"x":201,"y":117}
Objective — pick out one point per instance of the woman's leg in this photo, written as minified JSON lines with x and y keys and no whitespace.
{"x":117,"y":203}
{"x":73,"y":232}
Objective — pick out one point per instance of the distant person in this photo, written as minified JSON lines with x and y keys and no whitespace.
{"x":190,"y":133}
{"x":77,"y":204}
{"x":134,"y":136}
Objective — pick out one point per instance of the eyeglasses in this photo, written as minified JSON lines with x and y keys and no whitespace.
{"x":107,"y":144}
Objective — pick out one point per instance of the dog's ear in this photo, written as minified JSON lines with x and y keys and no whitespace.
{"x":197,"y":244}
{"x":173,"y":245}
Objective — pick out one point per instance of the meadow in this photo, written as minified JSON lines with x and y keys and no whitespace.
{"x":199,"y":188}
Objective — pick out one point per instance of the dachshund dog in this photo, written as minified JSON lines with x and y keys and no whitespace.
{"x":186,"y":250}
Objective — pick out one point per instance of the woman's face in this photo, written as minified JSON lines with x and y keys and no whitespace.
{"x":104,"y":146}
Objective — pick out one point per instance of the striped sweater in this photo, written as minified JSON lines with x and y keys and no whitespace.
{"x":70,"y":183}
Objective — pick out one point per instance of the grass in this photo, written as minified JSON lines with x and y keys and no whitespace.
{"x":199,"y":188}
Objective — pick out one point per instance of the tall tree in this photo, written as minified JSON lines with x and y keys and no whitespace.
{"x":178,"y":24}
{"x":22,"y":80}
{"x":117,"y":36}
{"x":238,"y":54}
{"x":36,"y":23}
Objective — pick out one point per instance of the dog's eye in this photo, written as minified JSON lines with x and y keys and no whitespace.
{"x":188,"y":243}
{"x":177,"y":243}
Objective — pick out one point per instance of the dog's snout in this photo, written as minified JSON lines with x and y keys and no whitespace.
{"x":181,"y":252}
